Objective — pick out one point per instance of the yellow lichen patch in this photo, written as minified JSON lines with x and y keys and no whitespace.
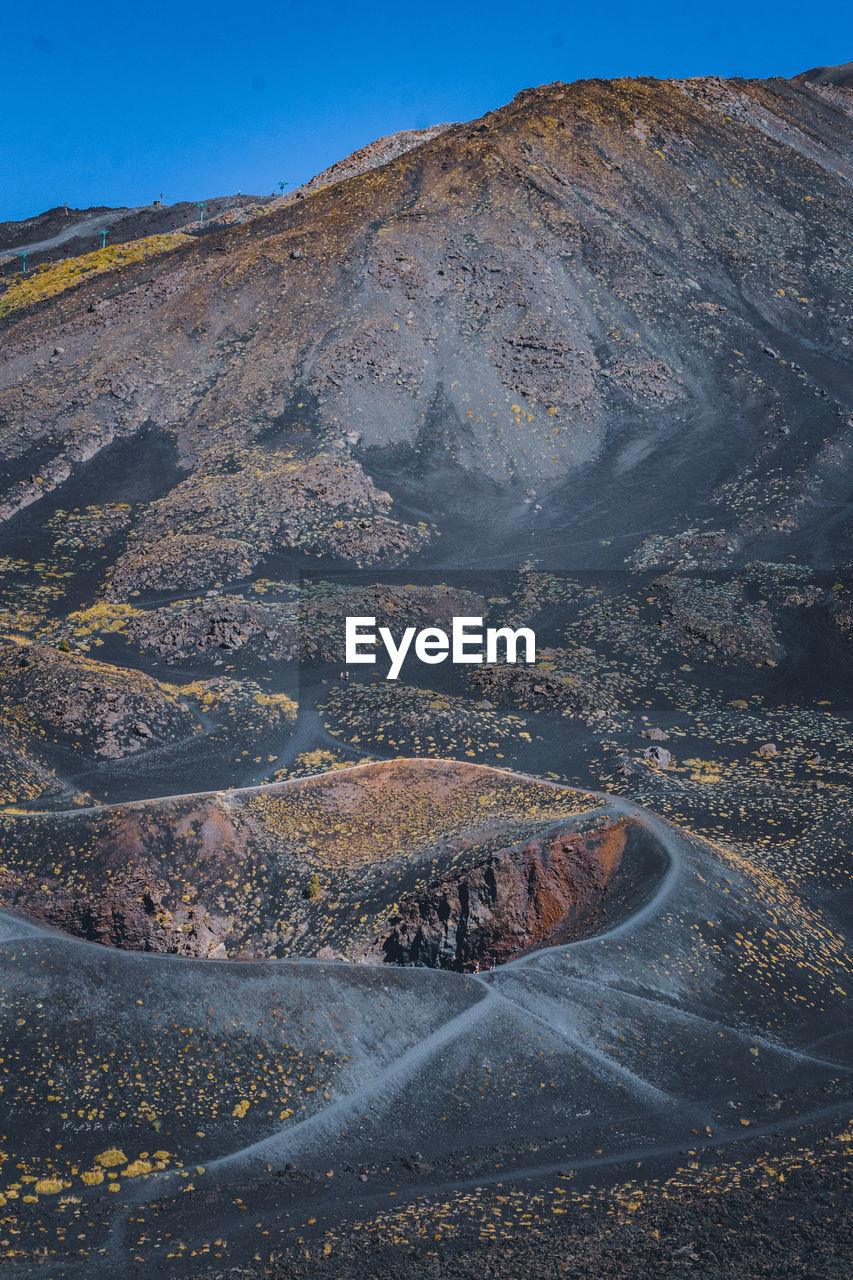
{"x":49,"y":1186}
{"x":103,"y":618}
{"x":318,"y":761}
{"x":137,"y":1167}
{"x":92,"y":1178}
{"x":207,"y":692}
{"x":84,"y":528}
{"x":241,"y":1108}
{"x":53,"y":278}
{"x":703,"y":771}
{"x":280,"y":701}
{"x":239,"y":697}
{"x":373,"y":812}
{"x":110,"y":1158}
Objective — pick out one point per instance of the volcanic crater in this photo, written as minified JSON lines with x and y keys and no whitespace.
{"x":410,"y":862}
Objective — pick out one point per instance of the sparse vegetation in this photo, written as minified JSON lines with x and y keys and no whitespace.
{"x":55,"y":277}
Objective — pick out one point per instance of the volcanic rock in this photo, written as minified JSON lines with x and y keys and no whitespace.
{"x":101,"y":711}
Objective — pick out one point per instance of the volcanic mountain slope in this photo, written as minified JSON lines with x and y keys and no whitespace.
{"x":629,"y":274}
{"x":374,"y":154}
{"x":64,"y":233}
{"x":842,"y":75}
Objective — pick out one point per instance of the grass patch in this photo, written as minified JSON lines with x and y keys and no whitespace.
{"x":52,"y":278}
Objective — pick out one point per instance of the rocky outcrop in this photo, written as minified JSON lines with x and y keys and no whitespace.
{"x":717,"y":616}
{"x":185,"y":562}
{"x":72,"y":700}
{"x":840,"y":76}
{"x":309,"y":625}
{"x":513,"y":901}
{"x":380,"y":152}
{"x":562,"y":680}
{"x":129,"y":912}
{"x":241,"y":505}
{"x":215,"y":626}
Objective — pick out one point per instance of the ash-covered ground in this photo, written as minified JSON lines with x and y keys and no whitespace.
{"x":490,"y":969}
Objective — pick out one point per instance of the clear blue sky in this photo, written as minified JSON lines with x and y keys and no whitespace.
{"x":114,"y":102}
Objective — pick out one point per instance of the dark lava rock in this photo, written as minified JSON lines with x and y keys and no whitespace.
{"x":95,"y":708}
{"x":716,"y":616}
{"x":840,"y":76}
{"x":310,"y":625}
{"x":240,"y":505}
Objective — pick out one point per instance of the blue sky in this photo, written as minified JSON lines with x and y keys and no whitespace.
{"x":113,"y":103}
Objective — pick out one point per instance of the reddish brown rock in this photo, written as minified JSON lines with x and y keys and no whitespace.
{"x":513,"y":901}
